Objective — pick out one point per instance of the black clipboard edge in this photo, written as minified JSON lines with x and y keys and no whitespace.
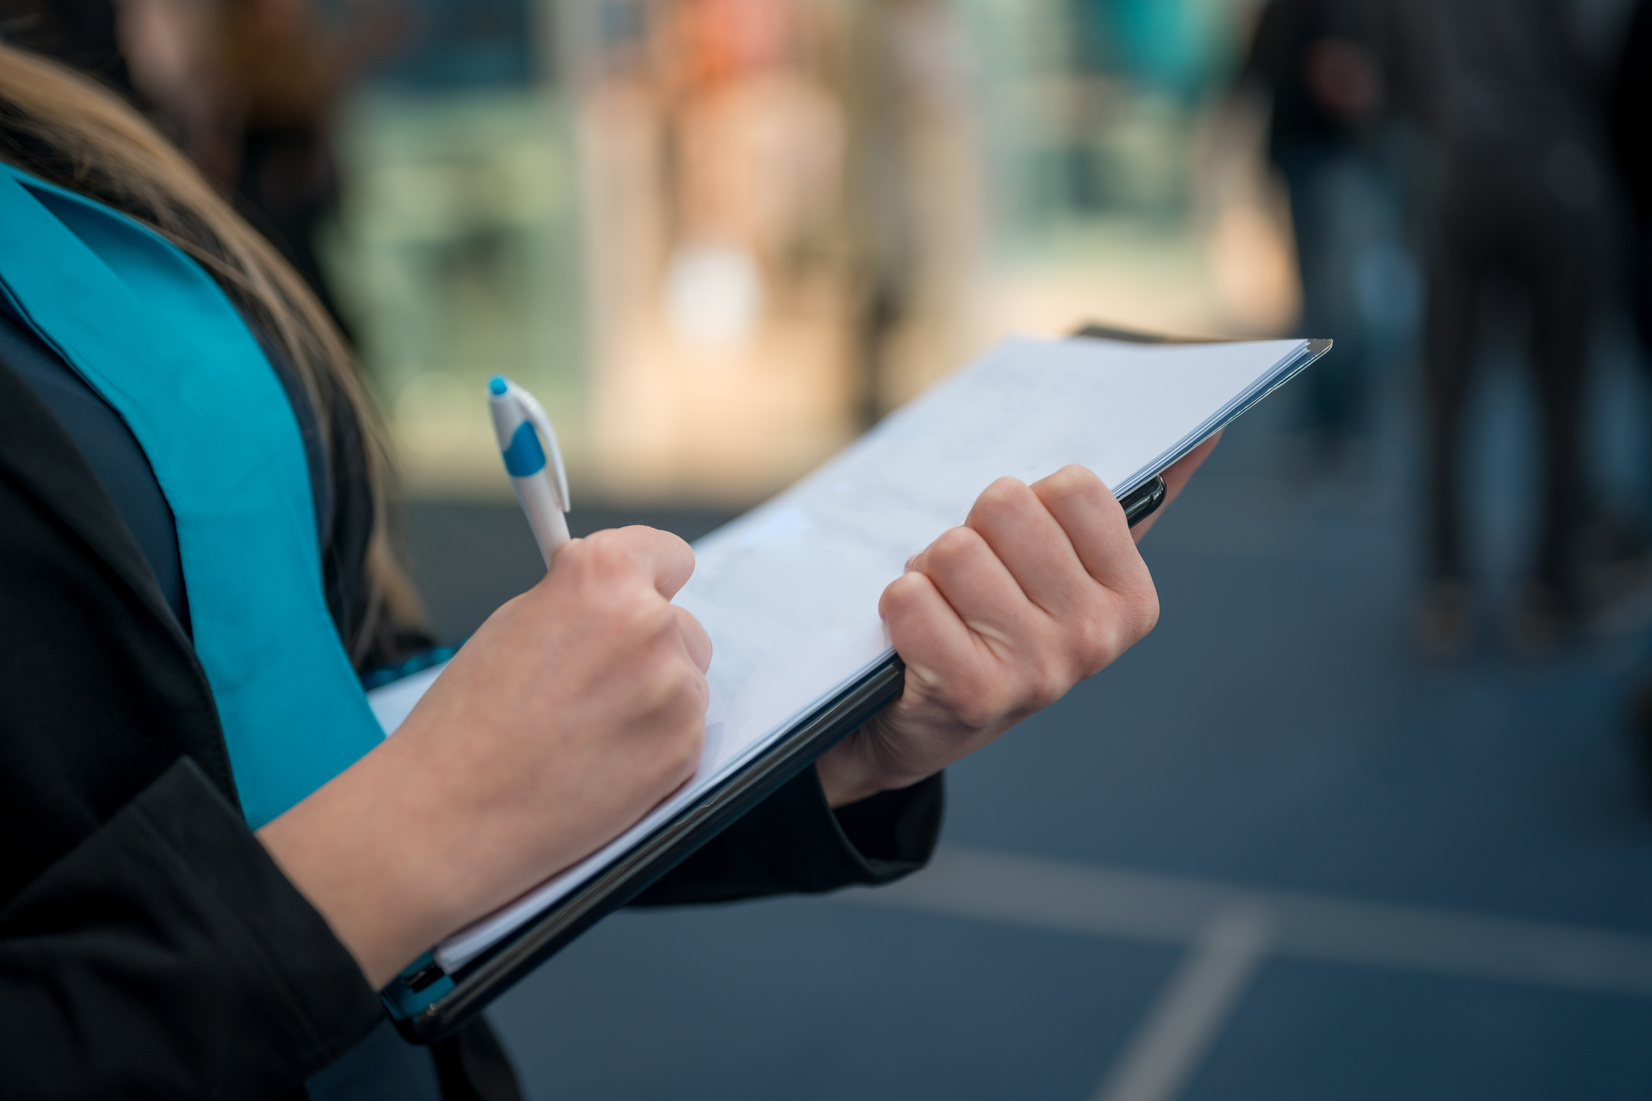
{"x":478,"y":982}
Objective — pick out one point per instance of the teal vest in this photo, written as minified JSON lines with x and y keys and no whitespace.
{"x":152,"y":333}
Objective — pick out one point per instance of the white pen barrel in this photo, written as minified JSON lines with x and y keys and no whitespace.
{"x":550,"y":526}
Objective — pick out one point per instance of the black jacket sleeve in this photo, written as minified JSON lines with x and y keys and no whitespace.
{"x":166,"y":956}
{"x":794,"y":842}
{"x":148,"y":945}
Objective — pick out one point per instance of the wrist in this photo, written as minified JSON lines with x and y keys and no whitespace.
{"x":854,"y":769}
{"x":355,"y":850}
{"x":842,"y":780}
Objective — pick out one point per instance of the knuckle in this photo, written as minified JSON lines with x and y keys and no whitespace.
{"x":575,"y":558}
{"x":639,"y":616}
{"x":1049,"y":682}
{"x":685,"y":678}
{"x":902,"y":605}
{"x":974,"y":702}
{"x":687,"y":688}
{"x":1096,"y":641}
{"x":588,"y":564}
{"x":664,"y":684}
{"x":678,"y":550}
{"x":954,"y":547}
{"x":605,"y":566}
{"x":1074,"y":481}
{"x":658,"y":615}
{"x":684,"y":750}
{"x":893,"y":598}
{"x":1001,"y":503}
{"x":587,"y":550}
{"x":692,"y":689}
{"x":1144,"y":611}
{"x":903,"y":592}
{"x":1150,"y":612}
{"x":1001,"y":493}
{"x":607,"y":555}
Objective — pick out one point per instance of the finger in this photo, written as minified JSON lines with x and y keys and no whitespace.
{"x":1174,"y":479}
{"x":927,"y":632}
{"x":664,"y":558}
{"x":979,"y":588}
{"x":1095,"y":525}
{"x":1031,"y":545}
{"x":694,"y":637}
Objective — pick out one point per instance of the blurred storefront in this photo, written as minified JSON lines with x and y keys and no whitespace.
{"x":456,"y":258}
{"x":720,"y":237}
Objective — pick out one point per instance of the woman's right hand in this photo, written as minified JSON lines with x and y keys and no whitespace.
{"x":572,"y":711}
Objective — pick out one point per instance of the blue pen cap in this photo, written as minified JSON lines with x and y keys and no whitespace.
{"x":497,"y":385}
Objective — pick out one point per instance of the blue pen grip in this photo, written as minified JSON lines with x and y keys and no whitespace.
{"x":524,"y":456}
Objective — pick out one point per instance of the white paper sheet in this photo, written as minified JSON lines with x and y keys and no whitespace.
{"x":789,"y":591}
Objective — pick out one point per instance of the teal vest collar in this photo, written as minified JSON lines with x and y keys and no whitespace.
{"x":148,"y":329}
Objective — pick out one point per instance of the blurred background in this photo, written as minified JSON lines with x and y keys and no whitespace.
{"x":1370,"y":815}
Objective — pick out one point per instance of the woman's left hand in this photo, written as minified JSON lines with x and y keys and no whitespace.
{"x":1040,"y":588}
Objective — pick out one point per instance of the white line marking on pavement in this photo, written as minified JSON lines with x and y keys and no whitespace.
{"x":1192,"y":1009}
{"x":1078,"y":898}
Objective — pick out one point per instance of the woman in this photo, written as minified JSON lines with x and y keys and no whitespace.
{"x":212,"y":859}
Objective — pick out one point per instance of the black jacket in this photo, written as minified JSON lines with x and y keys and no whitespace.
{"x":149,"y":947}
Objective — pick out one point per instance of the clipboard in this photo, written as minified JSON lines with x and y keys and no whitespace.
{"x":428,"y":1004}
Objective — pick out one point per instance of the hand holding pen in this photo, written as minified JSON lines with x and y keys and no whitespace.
{"x":575,"y":708}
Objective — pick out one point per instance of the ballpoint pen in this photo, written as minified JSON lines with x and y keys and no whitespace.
{"x":534,"y":462}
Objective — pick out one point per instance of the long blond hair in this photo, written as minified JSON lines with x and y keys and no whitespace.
{"x":66,"y":129}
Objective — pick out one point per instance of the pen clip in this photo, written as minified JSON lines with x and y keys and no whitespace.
{"x":553,"y":454}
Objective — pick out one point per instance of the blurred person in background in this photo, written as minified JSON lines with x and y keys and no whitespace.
{"x":883,"y":218}
{"x":913,"y":210}
{"x":1511,"y":106}
{"x":753,"y":162}
{"x":1631,"y":130}
{"x":82,"y":33}
{"x":174,"y":50}
{"x":159,"y":55}
{"x":1327,"y":71}
{"x":247,"y":88}
{"x":283,"y":72}
{"x":1631,"y":125}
